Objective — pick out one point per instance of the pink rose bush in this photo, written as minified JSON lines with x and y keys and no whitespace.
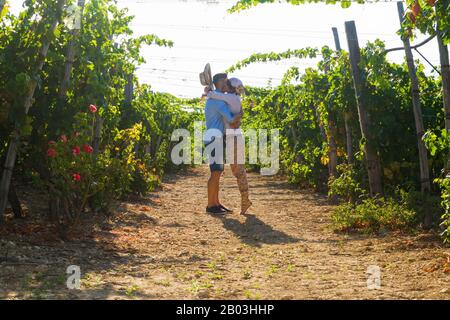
{"x":93,"y":108}
{"x":83,"y":179}
{"x":75,"y":171}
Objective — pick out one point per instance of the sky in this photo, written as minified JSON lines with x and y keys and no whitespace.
{"x":203,"y":31}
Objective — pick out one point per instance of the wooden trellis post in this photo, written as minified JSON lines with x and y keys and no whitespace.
{"x":372,"y":158}
{"x":445,"y":73}
{"x":15,"y":202}
{"x":13,"y":199}
{"x":337,"y":43}
{"x":14,"y":142}
{"x":129,"y":89}
{"x":129,"y":93}
{"x":331,"y":137}
{"x":332,"y":147}
{"x":70,"y":55}
{"x":2,"y":5}
{"x":347,"y":114}
{"x":415,"y":94}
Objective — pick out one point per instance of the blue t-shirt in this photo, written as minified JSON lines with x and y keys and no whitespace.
{"x":216,"y":112}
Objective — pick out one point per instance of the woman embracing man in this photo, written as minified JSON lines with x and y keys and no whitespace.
{"x":223,"y":114}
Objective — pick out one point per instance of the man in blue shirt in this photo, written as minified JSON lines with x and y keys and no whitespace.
{"x":216,"y":112}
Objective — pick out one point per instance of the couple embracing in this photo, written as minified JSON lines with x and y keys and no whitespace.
{"x":223,"y":114}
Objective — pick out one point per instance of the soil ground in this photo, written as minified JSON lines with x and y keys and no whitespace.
{"x":165,"y":246}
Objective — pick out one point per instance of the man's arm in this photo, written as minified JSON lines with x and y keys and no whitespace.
{"x":227,"y":114}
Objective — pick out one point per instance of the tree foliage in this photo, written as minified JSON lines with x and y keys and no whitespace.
{"x":133,"y":136}
{"x":305,"y":101}
{"x":274,"y":56}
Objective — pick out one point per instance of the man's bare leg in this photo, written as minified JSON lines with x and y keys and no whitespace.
{"x":213,"y":189}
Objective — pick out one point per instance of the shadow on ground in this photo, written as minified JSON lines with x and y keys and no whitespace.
{"x":255,"y":232}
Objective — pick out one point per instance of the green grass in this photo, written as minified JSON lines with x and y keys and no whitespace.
{"x":272,"y":270}
{"x":39,"y":285}
{"x":290,"y":268}
{"x":163,"y":282}
{"x":195,"y":287}
{"x":131,"y":291}
{"x":247,"y":274}
{"x":211,"y":265}
{"x":373,"y":216}
{"x":252,"y":295}
{"x":216,"y":276}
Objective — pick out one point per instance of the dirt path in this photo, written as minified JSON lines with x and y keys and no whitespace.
{"x":165,"y":246}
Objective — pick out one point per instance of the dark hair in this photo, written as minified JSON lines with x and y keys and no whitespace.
{"x":219,"y":76}
{"x":231,"y":89}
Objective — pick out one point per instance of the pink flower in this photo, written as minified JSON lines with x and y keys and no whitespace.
{"x":93,"y":108}
{"x":51,"y":153}
{"x":51,"y":143}
{"x":76,"y":177}
{"x":87,"y":148}
{"x":76,"y":151}
{"x":63,"y":138}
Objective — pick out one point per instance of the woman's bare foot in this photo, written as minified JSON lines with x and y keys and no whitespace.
{"x":245,"y":204}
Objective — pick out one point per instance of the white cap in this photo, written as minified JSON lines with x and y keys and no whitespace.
{"x":236,"y":83}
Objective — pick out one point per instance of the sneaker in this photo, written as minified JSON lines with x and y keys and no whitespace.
{"x":226,"y":209}
{"x":215,"y":210}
